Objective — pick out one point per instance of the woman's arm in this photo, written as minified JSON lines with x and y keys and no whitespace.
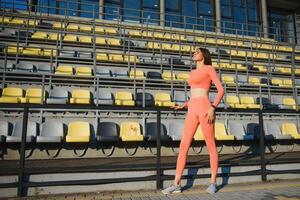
{"x":215,"y":79}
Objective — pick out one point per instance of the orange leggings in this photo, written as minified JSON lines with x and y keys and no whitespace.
{"x":197,"y":108}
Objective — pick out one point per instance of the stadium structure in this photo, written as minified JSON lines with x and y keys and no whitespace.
{"x":87,"y":85}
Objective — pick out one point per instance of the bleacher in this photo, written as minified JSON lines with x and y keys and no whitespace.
{"x":97,"y":84}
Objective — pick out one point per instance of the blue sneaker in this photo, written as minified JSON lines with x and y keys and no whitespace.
{"x":172,"y":189}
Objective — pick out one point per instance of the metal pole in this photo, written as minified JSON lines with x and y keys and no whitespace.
{"x":158,"y":146}
{"x":262,"y":147}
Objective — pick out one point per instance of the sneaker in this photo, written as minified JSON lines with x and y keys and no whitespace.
{"x":172,"y":189}
{"x":212,"y":188}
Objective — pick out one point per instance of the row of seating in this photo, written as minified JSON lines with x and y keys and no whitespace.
{"x":126,"y":98}
{"x":81,"y":131}
{"x":211,"y":39}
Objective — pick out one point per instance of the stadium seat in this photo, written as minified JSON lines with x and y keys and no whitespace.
{"x":100,"y":40}
{"x":5,"y":130}
{"x":40,"y":35}
{"x":198,"y":136}
{"x":110,"y":30}
{"x":102,"y":72}
{"x":175,"y":130}
{"x":83,"y":71}
{"x":44,"y":68}
{"x":73,"y":27}
{"x":229,"y":80}
{"x":277,"y":81}
{"x":99,"y":29}
{"x":80,"y":96}
{"x":116,"y":58}
{"x":182,"y":76}
{"x":151,"y":134}
{"x":85,"y":28}
{"x":288,"y":128}
{"x":68,"y":53}
{"x":237,"y":129}
{"x":58,"y":25}
{"x":58,"y":96}
{"x":221,"y":133}
{"x":255,"y":80}
{"x":51,"y":132}
{"x":101,"y":56}
{"x":85,"y":39}
{"x":54,"y":36}
{"x":213,"y":95}
{"x":64,"y":70}
{"x":121,"y":73}
{"x":153,"y":75}
{"x":32,"y":51}
{"x":139,"y":74}
{"x":78,"y":131}
{"x":14,"y":50}
{"x":70,"y":38}
{"x":149,"y":100}
{"x":107,"y":132}
{"x":167,"y":75}
{"x":234,"y":102}
{"x":11,"y":95}
{"x":18,"y":21}
{"x":123,"y":98}
{"x":287,"y":83}
{"x":289,"y":102}
{"x":266,"y":103}
{"x":249,"y":102}
{"x":24,"y":67}
{"x":130,"y":131}
{"x":113,"y":41}
{"x":16,"y":136}
{"x":131,"y":58}
{"x":49,"y":52}
{"x":5,"y":20}
{"x":104,"y":98}
{"x":33,"y":95}
{"x":134,"y":33}
{"x":179,"y":97}
{"x":163,"y":100}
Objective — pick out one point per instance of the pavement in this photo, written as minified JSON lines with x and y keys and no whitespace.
{"x":274,"y":190}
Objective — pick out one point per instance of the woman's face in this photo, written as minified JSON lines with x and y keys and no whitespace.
{"x":197,"y":56}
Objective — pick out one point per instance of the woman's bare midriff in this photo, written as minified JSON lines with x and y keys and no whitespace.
{"x":198,"y":92}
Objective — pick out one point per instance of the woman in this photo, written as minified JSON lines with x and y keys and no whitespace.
{"x":200,"y":110}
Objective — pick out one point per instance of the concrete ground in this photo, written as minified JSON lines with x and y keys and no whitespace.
{"x":276,"y":190}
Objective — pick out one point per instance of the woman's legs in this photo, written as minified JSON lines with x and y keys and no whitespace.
{"x":208,"y":131}
{"x":190,"y":126}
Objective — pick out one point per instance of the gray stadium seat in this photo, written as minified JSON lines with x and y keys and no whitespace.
{"x":68,"y":53}
{"x":9,"y":65}
{"x":272,"y":129}
{"x":242,"y":79}
{"x":84,"y":54}
{"x":44,"y":68}
{"x":102,"y":72}
{"x":24,"y":67}
{"x":107,"y":132}
{"x":5,"y":130}
{"x":175,"y":130}
{"x":150,"y":134}
{"x":212,"y":97}
{"x":16,"y":135}
{"x":8,"y":32}
{"x":179,"y":97}
{"x":121,"y":73}
{"x":51,"y":132}
{"x":149,"y":100}
{"x":58,"y":96}
{"x":278,"y":100}
{"x":104,"y":98}
{"x":237,"y":129}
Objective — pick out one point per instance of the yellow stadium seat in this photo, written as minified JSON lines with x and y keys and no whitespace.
{"x":80,"y":96}
{"x":130,"y":131}
{"x":153,"y":45}
{"x":33,"y":95}
{"x":297,"y":57}
{"x":261,"y":68}
{"x":48,"y":52}
{"x":255,"y":81}
{"x":32,"y":22}
{"x":54,"y":36}
{"x":200,"y":39}
{"x":99,"y":29}
{"x":262,"y":55}
{"x":167,"y":75}
{"x":139,"y":74}
{"x":185,"y":48}
{"x":32,"y":51}
{"x":114,"y":57}
{"x":229,"y":80}
{"x":78,"y":131}
{"x":14,"y":50}
{"x":288,"y":128}
{"x":285,"y":48}
{"x":289,"y":101}
{"x":5,"y":20}
{"x":159,"y":35}
{"x":277,"y":81}
{"x":18,"y":21}
{"x":163,"y":100}
{"x":70,"y":38}
{"x":249,"y":102}
{"x":287,"y":83}
{"x":110,"y":30}
{"x":131,"y":58}
{"x":101,"y":56}
{"x":72,"y":27}
{"x":58,"y":25}
{"x":198,"y":136}
{"x":85,"y":39}
{"x":183,"y":76}
{"x":83,"y":71}
{"x":297,"y":71}
{"x":40,"y":35}
{"x":112,"y":41}
{"x":176,"y":47}
{"x":134,"y":33}
{"x":124,"y":98}
{"x":284,"y":70}
{"x":166,"y":46}
{"x":221,"y":133}
{"x":85,"y":28}
{"x":234,"y":102}
{"x":147,"y":34}
{"x":211,"y":40}
{"x":11,"y":95}
{"x":100,"y":40}
{"x":64,"y":69}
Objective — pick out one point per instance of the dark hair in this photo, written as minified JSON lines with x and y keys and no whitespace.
{"x":206,"y":55}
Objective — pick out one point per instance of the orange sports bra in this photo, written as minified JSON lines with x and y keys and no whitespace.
{"x":202,"y":77}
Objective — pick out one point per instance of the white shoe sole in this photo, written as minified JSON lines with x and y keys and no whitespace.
{"x":175,"y":192}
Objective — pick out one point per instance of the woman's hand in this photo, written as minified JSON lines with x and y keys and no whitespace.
{"x":176,"y":107}
{"x":210,"y":115}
